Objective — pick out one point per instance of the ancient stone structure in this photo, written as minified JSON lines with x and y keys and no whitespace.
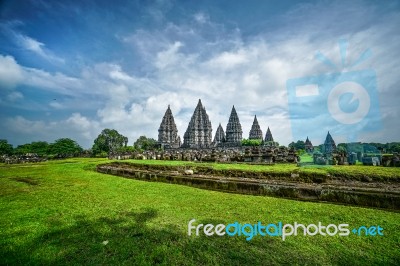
{"x":199,"y":130}
{"x":308,"y":146}
{"x":219,"y":138}
{"x":168,"y":133}
{"x":329,"y":144}
{"x":268,"y":136}
{"x":233,"y":130}
{"x":255,"y":131}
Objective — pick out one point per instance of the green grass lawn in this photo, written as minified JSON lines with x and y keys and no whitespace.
{"x":60,"y":212}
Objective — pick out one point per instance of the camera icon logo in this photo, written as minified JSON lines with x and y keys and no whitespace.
{"x":344,"y":103}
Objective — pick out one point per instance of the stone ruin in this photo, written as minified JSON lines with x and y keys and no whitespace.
{"x":255,"y":131}
{"x":233,"y":131}
{"x":268,"y":136}
{"x":25,"y":158}
{"x":198,"y":134}
{"x":330,"y":155}
{"x":199,"y":131}
{"x":309,"y":148}
{"x":226,"y":146}
{"x":257,"y":155}
{"x":168,"y":132}
{"x":219,"y":138}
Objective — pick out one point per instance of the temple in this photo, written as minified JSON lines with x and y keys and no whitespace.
{"x":329,"y":144}
{"x":199,"y":131}
{"x":309,"y":148}
{"x":233,"y":130}
{"x":168,"y":132}
{"x":255,"y":131}
{"x":268,"y":136}
{"x":219,"y":138}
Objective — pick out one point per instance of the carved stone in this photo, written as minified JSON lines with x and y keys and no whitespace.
{"x":268,"y":136}
{"x":199,"y":130}
{"x":308,"y":146}
{"x":168,"y":132}
{"x":219,"y":138}
{"x":329,"y":144}
{"x":255,"y":132}
{"x":233,"y":130}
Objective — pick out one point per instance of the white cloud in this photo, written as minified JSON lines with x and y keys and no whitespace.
{"x":169,"y":56}
{"x":15,"y":96}
{"x":10,"y":72}
{"x":183,"y":65}
{"x":76,"y":126}
{"x":201,"y":17}
{"x":36,"y":47}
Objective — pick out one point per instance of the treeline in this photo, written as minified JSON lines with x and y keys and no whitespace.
{"x":61,"y":148}
{"x":355,"y":147}
{"x":109,"y":141}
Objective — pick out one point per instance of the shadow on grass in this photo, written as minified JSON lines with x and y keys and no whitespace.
{"x":129,"y":239}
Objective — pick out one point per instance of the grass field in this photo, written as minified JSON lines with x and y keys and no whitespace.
{"x":61,"y":212}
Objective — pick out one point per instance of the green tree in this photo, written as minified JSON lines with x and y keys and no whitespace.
{"x":109,"y":141}
{"x":299,"y":145}
{"x":65,"y":147}
{"x":5,"y":147}
{"x":342,"y":147}
{"x":144,"y":143}
{"x":23,"y":149}
{"x":251,"y":142}
{"x":40,"y":148}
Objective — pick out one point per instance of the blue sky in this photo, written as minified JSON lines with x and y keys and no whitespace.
{"x":73,"y":68}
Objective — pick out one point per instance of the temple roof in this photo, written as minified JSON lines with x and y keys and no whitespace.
{"x":233,"y":128}
{"x":198,"y":132}
{"x":268,"y":136}
{"x":255,"y":131}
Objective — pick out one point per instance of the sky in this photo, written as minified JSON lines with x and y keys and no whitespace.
{"x":73,"y":68}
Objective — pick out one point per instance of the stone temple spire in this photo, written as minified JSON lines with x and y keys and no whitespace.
{"x":255,"y":132}
{"x":268,"y":136}
{"x":329,"y":144}
{"x":199,"y":130}
{"x":233,"y":130}
{"x":168,"y":133}
{"x":308,"y":146}
{"x":219,"y":138}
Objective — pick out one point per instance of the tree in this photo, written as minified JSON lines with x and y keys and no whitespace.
{"x":251,"y":142}
{"x":65,"y":147}
{"x":5,"y":147}
{"x":109,"y":141}
{"x":145,"y":143}
{"x":40,"y":148}
{"x":342,"y":147}
{"x":299,"y":145}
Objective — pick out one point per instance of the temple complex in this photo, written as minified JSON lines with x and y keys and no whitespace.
{"x":233,"y":130}
{"x":168,"y":132}
{"x":308,"y":146}
{"x":268,"y":136}
{"x":199,"y":131}
{"x":219,"y":138}
{"x":329,"y":144}
{"x":255,"y":131}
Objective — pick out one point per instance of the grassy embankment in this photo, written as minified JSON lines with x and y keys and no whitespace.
{"x":60,"y":212}
{"x":355,"y":172}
